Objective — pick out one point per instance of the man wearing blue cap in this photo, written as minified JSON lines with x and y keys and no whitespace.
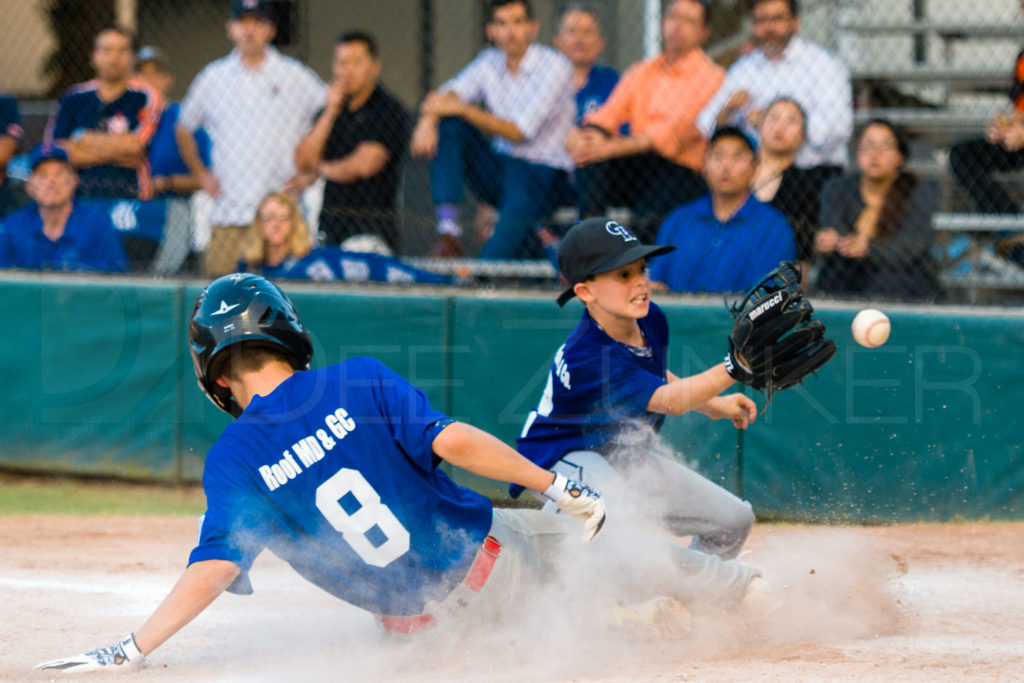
{"x":728,"y":239}
{"x":56,"y":232}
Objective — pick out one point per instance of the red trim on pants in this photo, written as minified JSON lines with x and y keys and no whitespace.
{"x":478,"y":574}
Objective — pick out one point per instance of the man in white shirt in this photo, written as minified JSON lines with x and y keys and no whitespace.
{"x":500,"y":127}
{"x":785,"y":65}
{"x":256,"y":104}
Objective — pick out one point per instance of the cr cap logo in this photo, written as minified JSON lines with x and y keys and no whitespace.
{"x":224,"y":308}
{"x":614,"y":228}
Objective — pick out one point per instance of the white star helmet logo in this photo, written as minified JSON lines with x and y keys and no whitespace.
{"x":224,"y":308}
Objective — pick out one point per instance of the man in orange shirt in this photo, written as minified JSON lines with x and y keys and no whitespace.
{"x":657,"y":166}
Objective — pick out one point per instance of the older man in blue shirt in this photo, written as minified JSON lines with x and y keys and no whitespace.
{"x":500,"y":127}
{"x":726,"y":240}
{"x":57,"y":232}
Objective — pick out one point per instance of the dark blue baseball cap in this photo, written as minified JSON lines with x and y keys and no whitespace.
{"x":259,"y":8}
{"x":44,"y":152}
{"x":598,"y":245}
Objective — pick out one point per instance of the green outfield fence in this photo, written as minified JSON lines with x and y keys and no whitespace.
{"x":97,"y":380}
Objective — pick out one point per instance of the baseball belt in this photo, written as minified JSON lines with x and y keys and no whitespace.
{"x":478,"y":574}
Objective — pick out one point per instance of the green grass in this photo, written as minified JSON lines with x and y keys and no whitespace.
{"x":39,"y":495}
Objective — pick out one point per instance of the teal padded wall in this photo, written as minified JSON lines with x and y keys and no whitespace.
{"x":89,"y":377}
{"x":927,"y":426}
{"x":97,"y":380}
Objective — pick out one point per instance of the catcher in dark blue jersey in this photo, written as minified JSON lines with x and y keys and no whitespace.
{"x":609,"y":391}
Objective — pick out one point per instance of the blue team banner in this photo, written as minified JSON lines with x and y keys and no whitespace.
{"x":142,"y":219}
{"x":334,"y":264}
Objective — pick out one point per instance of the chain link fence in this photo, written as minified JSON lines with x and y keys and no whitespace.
{"x":454,"y":140}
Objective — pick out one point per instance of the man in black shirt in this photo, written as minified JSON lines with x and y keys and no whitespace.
{"x":355,"y":145}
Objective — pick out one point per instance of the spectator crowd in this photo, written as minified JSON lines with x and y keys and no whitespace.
{"x":737,"y":168}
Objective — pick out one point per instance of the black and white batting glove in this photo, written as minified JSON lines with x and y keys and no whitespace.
{"x":107,"y":658}
{"x":579,"y":501}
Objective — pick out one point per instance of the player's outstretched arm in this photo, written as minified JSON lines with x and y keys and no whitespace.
{"x":200,"y":585}
{"x":683,"y":394}
{"x":478,"y":452}
{"x":736,"y":407}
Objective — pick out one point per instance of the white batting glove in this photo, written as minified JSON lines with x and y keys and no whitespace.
{"x":579,"y":501}
{"x":107,"y":658}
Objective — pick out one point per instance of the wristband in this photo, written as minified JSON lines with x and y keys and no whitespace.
{"x":131,"y":650}
{"x":557,"y":488}
{"x":735,"y":367}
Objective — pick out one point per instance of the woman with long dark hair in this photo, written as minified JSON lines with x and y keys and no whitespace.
{"x":876,"y":237}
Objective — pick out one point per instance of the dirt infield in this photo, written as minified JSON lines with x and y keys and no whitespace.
{"x":897,"y":603}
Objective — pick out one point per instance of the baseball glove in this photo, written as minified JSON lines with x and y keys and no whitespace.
{"x":774,"y":342}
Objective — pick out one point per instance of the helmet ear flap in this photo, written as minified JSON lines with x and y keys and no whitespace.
{"x":221,"y":395}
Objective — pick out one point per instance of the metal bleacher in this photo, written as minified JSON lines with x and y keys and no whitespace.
{"x":970,"y":256}
{"x":947,"y":100}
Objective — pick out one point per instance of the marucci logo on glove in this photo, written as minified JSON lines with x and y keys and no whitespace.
{"x":771,"y":303}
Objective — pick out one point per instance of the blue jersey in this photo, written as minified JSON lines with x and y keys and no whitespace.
{"x":136,"y":111}
{"x":134,"y":218}
{"x":597,"y":391}
{"x":716,"y":256}
{"x":164,"y":159}
{"x":10,"y":126}
{"x":596,"y":90}
{"x":10,"y":119}
{"x":332,"y":263}
{"x":334,"y":472}
{"x":90,"y":241}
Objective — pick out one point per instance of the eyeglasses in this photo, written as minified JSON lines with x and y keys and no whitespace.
{"x":271,"y":217}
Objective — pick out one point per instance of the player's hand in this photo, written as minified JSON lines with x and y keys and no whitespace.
{"x":161,"y":184}
{"x":574,"y":143}
{"x":424,"y":139}
{"x":335,"y":98}
{"x":854,"y":246}
{"x":106,"y":658}
{"x":590,"y":146}
{"x":995,"y":128}
{"x":826,"y":241}
{"x":736,"y":407}
{"x":736,"y":102}
{"x":755,"y":117}
{"x":298,"y":183}
{"x":579,"y":501}
{"x":1013,"y":136}
{"x":210,"y":184}
{"x":442,"y":105}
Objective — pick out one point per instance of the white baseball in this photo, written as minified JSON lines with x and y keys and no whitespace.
{"x":871,"y":328}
